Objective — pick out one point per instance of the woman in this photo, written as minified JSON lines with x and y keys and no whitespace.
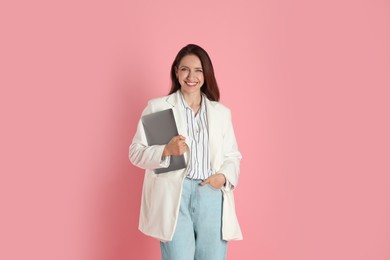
{"x":191,"y":211}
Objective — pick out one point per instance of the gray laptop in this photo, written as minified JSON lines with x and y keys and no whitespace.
{"x":159,"y":128}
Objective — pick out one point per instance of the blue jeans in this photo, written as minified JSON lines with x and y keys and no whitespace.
{"x":198,"y":233}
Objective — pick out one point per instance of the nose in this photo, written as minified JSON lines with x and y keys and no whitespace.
{"x":190,"y":74}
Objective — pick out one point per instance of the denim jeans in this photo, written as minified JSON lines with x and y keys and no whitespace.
{"x":198,"y":233}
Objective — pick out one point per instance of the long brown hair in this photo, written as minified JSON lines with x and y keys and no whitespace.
{"x":210,"y":86}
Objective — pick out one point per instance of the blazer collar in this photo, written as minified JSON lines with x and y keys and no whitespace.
{"x":174,"y":100}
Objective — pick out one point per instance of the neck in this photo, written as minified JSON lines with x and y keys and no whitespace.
{"x":192,"y":99}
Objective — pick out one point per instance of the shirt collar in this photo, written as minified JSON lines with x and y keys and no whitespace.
{"x":202,"y":108}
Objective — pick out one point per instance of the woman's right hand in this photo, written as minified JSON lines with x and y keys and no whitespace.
{"x":176,"y":146}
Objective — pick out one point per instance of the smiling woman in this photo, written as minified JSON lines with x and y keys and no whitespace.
{"x":190,"y":77}
{"x":190,"y":74}
{"x":196,"y":64}
{"x":201,"y":195}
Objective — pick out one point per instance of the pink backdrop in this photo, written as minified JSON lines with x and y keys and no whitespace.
{"x":307,"y":81}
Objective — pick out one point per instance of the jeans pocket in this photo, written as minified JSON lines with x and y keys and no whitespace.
{"x":211,"y":187}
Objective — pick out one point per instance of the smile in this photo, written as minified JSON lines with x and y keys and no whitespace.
{"x":191,"y":84}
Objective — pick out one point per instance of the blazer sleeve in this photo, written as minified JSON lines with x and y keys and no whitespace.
{"x":232,"y":156}
{"x":142,"y":155}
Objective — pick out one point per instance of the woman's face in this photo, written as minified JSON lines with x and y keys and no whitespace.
{"x":190,"y":74}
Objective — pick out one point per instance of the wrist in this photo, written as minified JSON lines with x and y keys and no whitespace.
{"x":165,"y":152}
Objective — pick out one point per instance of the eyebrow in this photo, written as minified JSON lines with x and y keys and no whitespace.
{"x":181,"y":66}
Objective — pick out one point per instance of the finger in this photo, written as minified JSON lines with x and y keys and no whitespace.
{"x":181,"y":137}
{"x":204,"y":182}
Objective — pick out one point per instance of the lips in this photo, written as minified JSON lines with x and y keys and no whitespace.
{"x":191,"y":84}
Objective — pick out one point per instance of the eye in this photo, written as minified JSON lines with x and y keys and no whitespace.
{"x":199,"y":70}
{"x":183,"y":69}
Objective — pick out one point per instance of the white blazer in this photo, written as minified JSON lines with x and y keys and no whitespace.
{"x":161,"y":193}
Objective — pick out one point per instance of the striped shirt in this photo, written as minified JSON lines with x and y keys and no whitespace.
{"x":198,"y":140}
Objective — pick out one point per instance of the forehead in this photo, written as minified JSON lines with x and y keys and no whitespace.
{"x":190,"y":60}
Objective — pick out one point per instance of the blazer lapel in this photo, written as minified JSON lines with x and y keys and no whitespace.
{"x":179,"y":113}
{"x":212,"y":121}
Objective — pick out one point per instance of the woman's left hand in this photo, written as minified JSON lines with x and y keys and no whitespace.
{"x":216,"y":181}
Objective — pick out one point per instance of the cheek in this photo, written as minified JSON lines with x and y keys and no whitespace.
{"x":182,"y":75}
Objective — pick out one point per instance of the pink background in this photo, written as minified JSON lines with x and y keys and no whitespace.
{"x":307,"y":81}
